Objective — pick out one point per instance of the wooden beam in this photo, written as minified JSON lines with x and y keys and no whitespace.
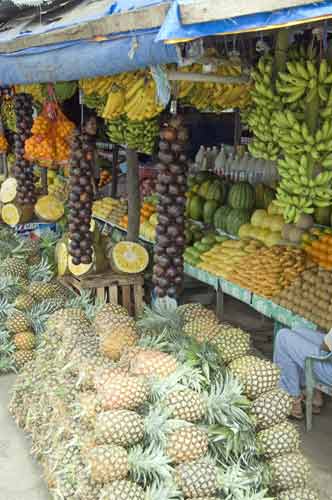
{"x":204,"y":77}
{"x":203,"y":11}
{"x":130,"y":21}
{"x":134,"y":203}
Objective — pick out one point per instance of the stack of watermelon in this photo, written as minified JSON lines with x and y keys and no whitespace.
{"x":207,"y":193}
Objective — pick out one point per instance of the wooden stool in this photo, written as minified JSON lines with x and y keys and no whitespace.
{"x":117,"y":288}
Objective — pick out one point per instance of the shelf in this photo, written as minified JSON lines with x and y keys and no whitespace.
{"x":116,"y":226}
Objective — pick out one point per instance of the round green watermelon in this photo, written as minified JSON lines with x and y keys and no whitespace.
{"x":220,"y":217}
{"x":235,"y":219}
{"x":241,"y":195}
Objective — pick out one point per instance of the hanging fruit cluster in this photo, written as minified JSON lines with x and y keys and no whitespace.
{"x":8,"y":115}
{"x":23,"y":170}
{"x":3,"y":144}
{"x":80,"y":199}
{"x":171,"y":187}
{"x":299,"y":108}
{"x":138,"y":135}
{"x":51,"y":131}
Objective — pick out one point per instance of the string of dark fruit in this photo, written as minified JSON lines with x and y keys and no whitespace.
{"x":81,"y":196}
{"x":23,"y":169}
{"x":171,"y":187}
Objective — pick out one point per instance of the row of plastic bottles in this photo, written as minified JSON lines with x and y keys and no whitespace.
{"x":235,"y":164}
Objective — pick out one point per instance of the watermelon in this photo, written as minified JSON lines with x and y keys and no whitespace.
{"x":216,"y":192}
{"x":264,"y":195}
{"x":235,"y":219}
{"x":209,"y":210}
{"x":220,"y":217}
{"x":196,"y":208}
{"x":242,"y":195}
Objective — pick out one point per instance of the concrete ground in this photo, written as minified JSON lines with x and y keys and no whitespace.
{"x":20,"y":476}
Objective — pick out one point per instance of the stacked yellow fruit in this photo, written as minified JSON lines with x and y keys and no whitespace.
{"x":224,"y":257}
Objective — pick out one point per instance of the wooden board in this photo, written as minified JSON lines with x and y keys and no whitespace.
{"x":211,"y":10}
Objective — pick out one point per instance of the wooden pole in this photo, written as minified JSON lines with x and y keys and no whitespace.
{"x":43,"y":178}
{"x":115,"y":170}
{"x":134,"y":202}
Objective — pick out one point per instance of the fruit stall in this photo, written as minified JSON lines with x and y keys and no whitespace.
{"x":107,"y":204}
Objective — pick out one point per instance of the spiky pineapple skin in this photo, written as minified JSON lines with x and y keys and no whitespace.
{"x":231,"y":343}
{"x":257,"y":376}
{"x":185,"y":405}
{"x":16,"y":267}
{"x":17,"y":323}
{"x":271,"y":408}
{"x":108,"y":463}
{"x":187,"y":444}
{"x":289,"y":471}
{"x":196,"y":479}
{"x":122,"y":490}
{"x":122,"y":428}
{"x":190,"y":312}
{"x":123,"y":392}
{"x":21,"y":358}
{"x":149,"y":363}
{"x":202,"y":329}
{"x":25,"y":341}
{"x":279,"y":440}
{"x":298,"y":494}
{"x":116,"y":331}
{"x":24,"y":302}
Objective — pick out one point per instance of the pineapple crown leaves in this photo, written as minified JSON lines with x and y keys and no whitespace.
{"x":163,"y":491}
{"x":10,"y":286}
{"x":184,"y":377}
{"x":5,"y":308}
{"x":48,"y":240}
{"x":41,"y":272}
{"x":39,"y":314}
{"x":158,"y":423}
{"x":85,"y":301}
{"x":162,"y":316}
{"x":149,"y":465}
{"x":239,"y":480}
{"x":156,"y":342}
{"x":226,"y":404}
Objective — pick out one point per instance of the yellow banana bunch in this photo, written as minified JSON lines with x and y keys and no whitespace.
{"x":114,"y":104}
{"x":34,"y":89}
{"x":141,"y":100}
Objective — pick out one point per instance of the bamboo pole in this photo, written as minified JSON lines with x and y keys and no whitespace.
{"x":133,"y":195}
{"x":202,"y":77}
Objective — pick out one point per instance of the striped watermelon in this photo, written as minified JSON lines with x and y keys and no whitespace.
{"x":242,"y":195}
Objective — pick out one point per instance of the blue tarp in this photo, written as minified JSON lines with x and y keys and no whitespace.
{"x":83,"y":59}
{"x":173,"y":30}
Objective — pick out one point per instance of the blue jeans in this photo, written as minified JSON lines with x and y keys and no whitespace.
{"x":292,"y":347}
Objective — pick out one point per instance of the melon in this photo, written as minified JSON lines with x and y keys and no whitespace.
{"x":305,"y":221}
{"x":274,"y":238}
{"x":258,"y":218}
{"x":276,"y":223}
{"x":129,"y":257}
{"x":49,"y":208}
{"x":235,"y":219}
{"x":220,"y":218}
{"x":322,"y":216}
{"x":274,"y":209}
{"x":245,"y":231}
{"x":264,"y":195}
{"x":242,"y":196}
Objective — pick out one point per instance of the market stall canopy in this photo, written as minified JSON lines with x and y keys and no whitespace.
{"x":189,"y":19}
{"x":69,"y":40}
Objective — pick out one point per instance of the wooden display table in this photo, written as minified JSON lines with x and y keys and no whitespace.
{"x":111,"y":286}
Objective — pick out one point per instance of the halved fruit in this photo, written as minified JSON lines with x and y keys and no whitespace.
{"x":8,"y":190}
{"x":16,"y":214}
{"x":129,"y":257}
{"x":49,"y":208}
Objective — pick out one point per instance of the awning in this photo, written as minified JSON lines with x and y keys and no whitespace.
{"x":190,"y":19}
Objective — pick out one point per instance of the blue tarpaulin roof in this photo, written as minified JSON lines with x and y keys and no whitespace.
{"x":174,"y":30}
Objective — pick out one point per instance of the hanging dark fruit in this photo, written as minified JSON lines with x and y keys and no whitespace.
{"x":171,"y":185}
{"x":81,"y":198}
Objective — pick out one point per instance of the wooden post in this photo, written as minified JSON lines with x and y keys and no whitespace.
{"x":282,"y":41}
{"x":134,"y":202}
{"x":237,"y":127}
{"x":115,"y":170}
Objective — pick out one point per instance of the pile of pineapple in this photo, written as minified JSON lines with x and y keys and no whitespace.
{"x":170,"y":407}
{"x":28,"y":295}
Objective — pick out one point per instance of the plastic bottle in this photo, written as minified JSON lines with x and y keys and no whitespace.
{"x":220,"y":162}
{"x":200,"y":157}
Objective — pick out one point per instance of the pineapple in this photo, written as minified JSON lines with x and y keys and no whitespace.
{"x":186,"y":444}
{"x":202,"y":328}
{"x":116,"y":332}
{"x":123,"y":392}
{"x":16,"y":266}
{"x":197,"y":479}
{"x":25,"y":341}
{"x":298,"y":494}
{"x":120,"y":427}
{"x":21,"y":358}
{"x":185,"y":404}
{"x":231,"y":343}
{"x":110,"y":310}
{"x":271,"y":408}
{"x":289,"y":471}
{"x":89,"y":405}
{"x":256,"y":375}
{"x":122,"y":490}
{"x":190,"y":312}
{"x":17,"y":323}
{"x":278,"y":440}
{"x":41,"y":290}
{"x":149,"y":363}
{"x":24,"y":302}
{"x":109,"y":463}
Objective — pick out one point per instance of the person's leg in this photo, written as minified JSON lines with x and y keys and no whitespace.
{"x":291,"y":350}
